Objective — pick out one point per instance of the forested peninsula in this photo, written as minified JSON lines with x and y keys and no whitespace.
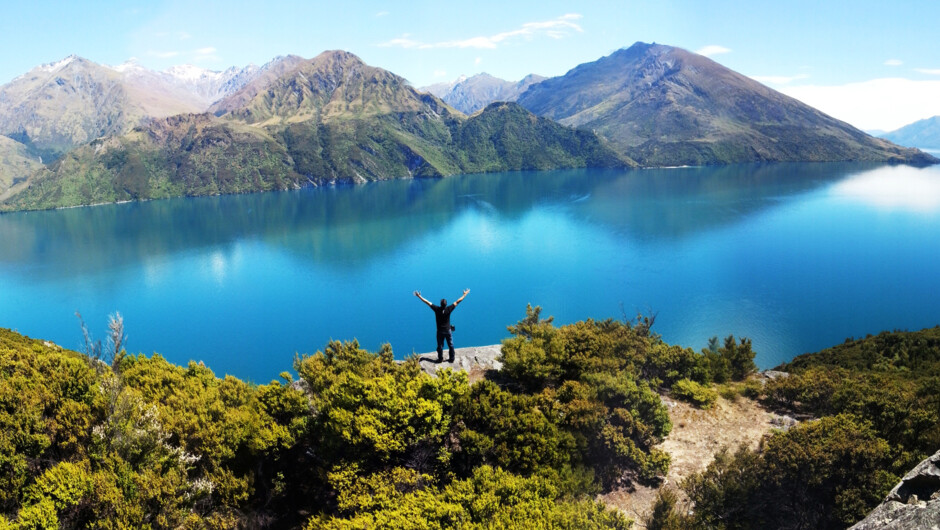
{"x":109,"y":439}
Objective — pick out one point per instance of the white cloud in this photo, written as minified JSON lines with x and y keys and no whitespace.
{"x":712,"y":49}
{"x":929,"y":71}
{"x":883,"y":104}
{"x":478,"y":60}
{"x":381,"y":14}
{"x":440,"y":73}
{"x":205,"y":51}
{"x":557,"y":28}
{"x":403,"y":42}
{"x":894,"y":62}
{"x":778,"y":79}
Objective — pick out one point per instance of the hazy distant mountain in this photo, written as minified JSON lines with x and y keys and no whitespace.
{"x":442,"y":89}
{"x":665,"y":106}
{"x":329,"y":118}
{"x":235,"y":97}
{"x":922,"y":133}
{"x":57,"y":106}
{"x":470,"y":94}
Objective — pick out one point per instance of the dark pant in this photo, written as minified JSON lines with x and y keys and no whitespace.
{"x":441,"y":335}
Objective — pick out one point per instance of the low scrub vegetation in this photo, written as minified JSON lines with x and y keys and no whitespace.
{"x":359,"y":440}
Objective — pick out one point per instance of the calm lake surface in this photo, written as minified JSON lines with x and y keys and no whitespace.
{"x":795,"y":256}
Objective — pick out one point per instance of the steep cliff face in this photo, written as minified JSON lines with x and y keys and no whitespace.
{"x":914,"y":504}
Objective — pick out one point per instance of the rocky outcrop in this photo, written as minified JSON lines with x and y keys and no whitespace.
{"x":476,"y":361}
{"x":913,"y":504}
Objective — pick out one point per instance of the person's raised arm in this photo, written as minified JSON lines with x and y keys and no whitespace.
{"x":465,"y":293}
{"x":423,"y":299}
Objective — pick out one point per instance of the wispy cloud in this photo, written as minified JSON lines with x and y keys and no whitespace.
{"x":381,"y":14}
{"x":205,"y":55}
{"x":478,"y":60}
{"x":712,"y":49}
{"x":557,"y":28}
{"x":894,"y":62}
{"x":928,"y":71}
{"x":440,"y":73}
{"x":778,"y":79}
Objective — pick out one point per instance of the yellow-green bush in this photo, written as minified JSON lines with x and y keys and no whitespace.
{"x":695,"y":393}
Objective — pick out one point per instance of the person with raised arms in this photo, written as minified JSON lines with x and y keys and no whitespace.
{"x":444,"y":328}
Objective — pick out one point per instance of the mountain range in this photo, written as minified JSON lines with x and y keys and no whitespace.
{"x":923,"y":133}
{"x":470,"y":94}
{"x":56,"y":107}
{"x":75,"y":132}
{"x":330,"y":118}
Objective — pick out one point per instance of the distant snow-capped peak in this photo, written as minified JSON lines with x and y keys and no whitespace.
{"x":58,"y":65}
{"x":191,"y":73}
{"x":130,"y":65}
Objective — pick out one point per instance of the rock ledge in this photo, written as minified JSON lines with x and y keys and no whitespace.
{"x":475,"y":360}
{"x":913,"y":504}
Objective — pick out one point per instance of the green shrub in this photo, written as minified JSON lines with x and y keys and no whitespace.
{"x":699,"y":395}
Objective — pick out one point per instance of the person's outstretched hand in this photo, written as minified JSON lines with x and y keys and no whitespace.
{"x":466,"y":291}
{"x":418,"y":293}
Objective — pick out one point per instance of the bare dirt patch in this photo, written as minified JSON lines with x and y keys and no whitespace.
{"x":695,"y":438}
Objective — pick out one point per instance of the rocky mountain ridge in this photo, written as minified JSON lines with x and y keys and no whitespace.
{"x":56,"y":107}
{"x":470,"y":94}
{"x":327,"y":119}
{"x":665,"y":106}
{"x":334,"y":118}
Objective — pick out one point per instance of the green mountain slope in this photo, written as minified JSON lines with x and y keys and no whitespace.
{"x":332,"y":118}
{"x":505,"y":136}
{"x":335,"y":85}
{"x":190,"y":154}
{"x":15,"y":163}
{"x":666,"y":106}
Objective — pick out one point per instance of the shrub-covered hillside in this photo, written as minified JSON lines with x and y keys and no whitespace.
{"x":873,"y":412}
{"x":359,"y":441}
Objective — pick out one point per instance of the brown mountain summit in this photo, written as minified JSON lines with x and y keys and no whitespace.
{"x":665,"y":106}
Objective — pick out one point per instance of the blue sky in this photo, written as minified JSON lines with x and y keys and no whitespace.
{"x":875,"y":64}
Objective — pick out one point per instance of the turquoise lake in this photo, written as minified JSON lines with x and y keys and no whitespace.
{"x":798,"y":257}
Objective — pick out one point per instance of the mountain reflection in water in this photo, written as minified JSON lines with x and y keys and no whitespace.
{"x":797,"y":256}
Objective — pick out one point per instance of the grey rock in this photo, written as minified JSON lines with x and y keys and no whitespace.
{"x":783,"y":421}
{"x":470,"y":360}
{"x":904,"y":508}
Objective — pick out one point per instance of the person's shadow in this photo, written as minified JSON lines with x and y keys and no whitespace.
{"x":430,"y":360}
